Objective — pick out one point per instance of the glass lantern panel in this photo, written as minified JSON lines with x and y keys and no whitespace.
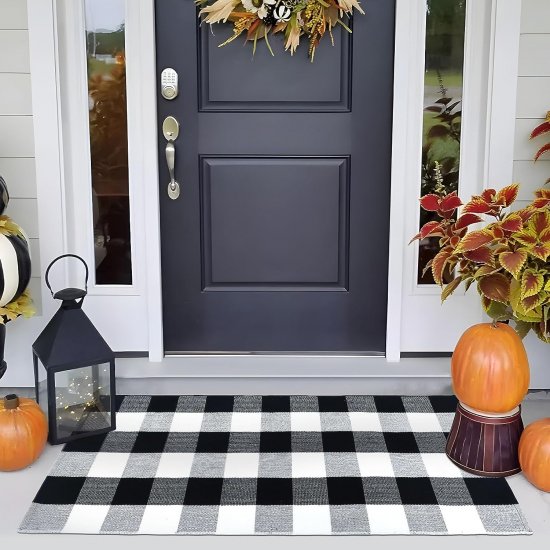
{"x":83,"y":400}
{"x":42,"y":388}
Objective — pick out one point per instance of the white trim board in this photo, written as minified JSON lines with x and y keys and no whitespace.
{"x":426,"y":324}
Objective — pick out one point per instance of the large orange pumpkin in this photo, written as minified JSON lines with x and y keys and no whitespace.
{"x":23,"y":432}
{"x":534,"y":453}
{"x":489,"y":368}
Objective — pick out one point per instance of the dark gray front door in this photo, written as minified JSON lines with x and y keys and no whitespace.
{"x":279,"y":239}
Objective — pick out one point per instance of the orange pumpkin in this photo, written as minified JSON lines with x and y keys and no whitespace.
{"x":534,"y":453}
{"x":489,"y":368}
{"x":23,"y":432}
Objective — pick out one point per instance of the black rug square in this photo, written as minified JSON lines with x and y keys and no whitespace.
{"x":274,"y":491}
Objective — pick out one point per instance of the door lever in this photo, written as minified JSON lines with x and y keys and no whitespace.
{"x":173,"y":186}
{"x":170,"y":129}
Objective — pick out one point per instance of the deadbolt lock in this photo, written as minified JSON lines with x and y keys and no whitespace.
{"x":169,"y":83}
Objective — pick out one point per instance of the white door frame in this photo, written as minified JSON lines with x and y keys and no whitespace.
{"x":51,"y":151}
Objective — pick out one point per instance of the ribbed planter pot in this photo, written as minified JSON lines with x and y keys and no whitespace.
{"x":483,"y":444}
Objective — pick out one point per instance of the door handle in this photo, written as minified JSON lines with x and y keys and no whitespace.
{"x":173,"y":186}
{"x":170,"y":129}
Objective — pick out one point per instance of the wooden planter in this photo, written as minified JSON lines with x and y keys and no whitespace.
{"x":485,"y":445}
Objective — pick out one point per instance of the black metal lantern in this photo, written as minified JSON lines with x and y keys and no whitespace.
{"x":76,"y":386}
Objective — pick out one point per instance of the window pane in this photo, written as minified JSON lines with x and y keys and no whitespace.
{"x":108,"y":140}
{"x":445,"y":26}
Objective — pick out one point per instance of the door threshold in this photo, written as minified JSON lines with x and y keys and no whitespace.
{"x":270,"y":375}
{"x":275,"y":354}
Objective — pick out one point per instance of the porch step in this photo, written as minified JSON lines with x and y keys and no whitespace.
{"x":261,"y":374}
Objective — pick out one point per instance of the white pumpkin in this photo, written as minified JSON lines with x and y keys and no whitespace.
{"x":15,"y":267}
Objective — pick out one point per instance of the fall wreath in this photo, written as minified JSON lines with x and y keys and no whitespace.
{"x":293,"y":18}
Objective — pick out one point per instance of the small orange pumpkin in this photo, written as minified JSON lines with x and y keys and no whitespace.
{"x":23,"y":432}
{"x":489,"y":368}
{"x":534,"y":453}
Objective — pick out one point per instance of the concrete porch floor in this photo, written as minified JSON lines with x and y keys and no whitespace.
{"x":17,"y":490}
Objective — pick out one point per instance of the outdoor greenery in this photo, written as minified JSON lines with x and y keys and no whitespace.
{"x":105,"y":43}
{"x":507,"y":259}
{"x":445,"y":23}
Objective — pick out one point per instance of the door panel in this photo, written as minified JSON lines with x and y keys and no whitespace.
{"x":279,"y":240}
{"x":231,"y":80}
{"x":255,"y":234}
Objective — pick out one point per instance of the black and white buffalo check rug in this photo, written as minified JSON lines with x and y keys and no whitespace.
{"x":277,"y":465}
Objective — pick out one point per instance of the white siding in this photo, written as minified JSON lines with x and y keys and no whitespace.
{"x":533,"y":101}
{"x":16,"y":129}
{"x":533,"y":92}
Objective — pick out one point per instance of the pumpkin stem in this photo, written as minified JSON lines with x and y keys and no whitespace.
{"x":11,"y":401}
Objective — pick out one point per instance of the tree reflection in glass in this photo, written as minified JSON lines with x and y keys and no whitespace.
{"x":108,"y":140}
{"x":445,"y":28}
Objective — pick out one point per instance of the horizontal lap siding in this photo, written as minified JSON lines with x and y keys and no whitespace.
{"x":17,"y":165}
{"x":533,"y":100}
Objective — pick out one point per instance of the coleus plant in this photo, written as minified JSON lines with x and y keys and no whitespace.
{"x":507,"y":259}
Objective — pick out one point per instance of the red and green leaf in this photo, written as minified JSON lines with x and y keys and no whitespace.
{"x":431,"y":229}
{"x":450,"y":202}
{"x":430,"y":202}
{"x":439,"y":263}
{"x":525,"y":213}
{"x":484,"y":271}
{"x":540,"y":251}
{"x":526,"y":237}
{"x":495,"y":287}
{"x":512,"y":222}
{"x":498,"y":232}
{"x":454,"y":240}
{"x":474,"y":240}
{"x":540,"y":222}
{"x":532,"y":302}
{"x":488,"y":195}
{"x":450,"y":288}
{"x":540,"y":129}
{"x":542,"y":193}
{"x":467,"y":219}
{"x":540,"y":203}
{"x":482,"y":255}
{"x":507,"y":195}
{"x":427,"y":267}
{"x":477,"y":206}
{"x":531,"y":283}
{"x":513,"y":261}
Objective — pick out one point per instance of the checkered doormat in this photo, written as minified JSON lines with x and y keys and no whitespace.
{"x":272,"y":465}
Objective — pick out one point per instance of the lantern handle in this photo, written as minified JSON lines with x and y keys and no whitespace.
{"x":60,"y":258}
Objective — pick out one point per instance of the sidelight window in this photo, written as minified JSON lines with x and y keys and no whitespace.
{"x":106,"y":80}
{"x":441,"y":132}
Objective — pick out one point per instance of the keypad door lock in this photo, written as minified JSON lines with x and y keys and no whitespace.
{"x":169,"y":83}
